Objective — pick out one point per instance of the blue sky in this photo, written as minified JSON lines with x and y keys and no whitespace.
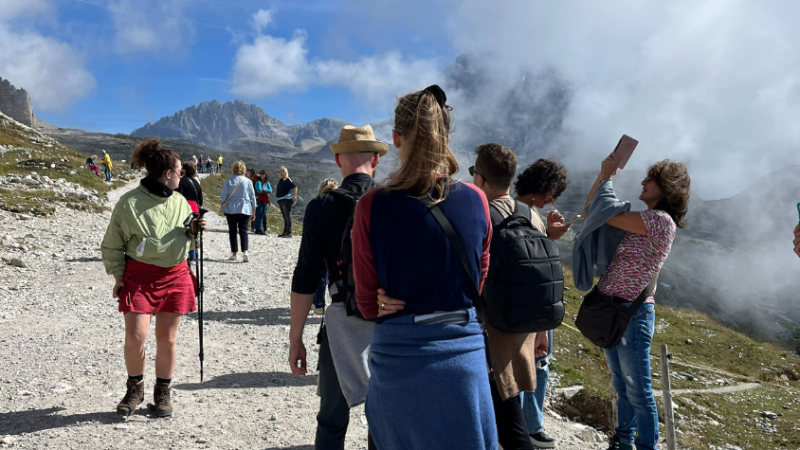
{"x":714,"y":83}
{"x":194,"y":56}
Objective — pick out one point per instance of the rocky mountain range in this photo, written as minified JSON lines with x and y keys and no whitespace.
{"x":16,"y":103}
{"x":216,"y":124}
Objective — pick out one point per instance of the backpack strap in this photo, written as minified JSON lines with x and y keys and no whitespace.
{"x":458,"y":246}
{"x":648,"y":290}
{"x":455,"y":241}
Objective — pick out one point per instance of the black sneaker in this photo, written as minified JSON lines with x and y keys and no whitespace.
{"x":615,"y":444}
{"x":542,"y":440}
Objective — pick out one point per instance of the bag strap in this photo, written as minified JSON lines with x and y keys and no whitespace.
{"x":455,"y":241}
{"x":648,"y":290}
{"x":231,"y":196}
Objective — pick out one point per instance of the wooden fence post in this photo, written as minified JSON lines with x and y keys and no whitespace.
{"x":669,"y":420}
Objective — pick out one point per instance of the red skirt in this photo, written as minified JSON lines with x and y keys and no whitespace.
{"x":151,"y":289}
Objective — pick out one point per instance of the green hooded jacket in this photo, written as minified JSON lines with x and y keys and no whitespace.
{"x":147,"y":228}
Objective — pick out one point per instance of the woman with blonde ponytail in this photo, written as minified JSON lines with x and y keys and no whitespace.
{"x":428,"y":385}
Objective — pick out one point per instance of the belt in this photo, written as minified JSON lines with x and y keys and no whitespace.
{"x":442,"y":317}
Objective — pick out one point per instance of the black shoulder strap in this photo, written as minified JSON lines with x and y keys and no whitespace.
{"x":648,"y":290}
{"x":455,"y":241}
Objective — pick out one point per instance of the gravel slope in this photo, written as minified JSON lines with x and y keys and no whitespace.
{"x":61,"y":337}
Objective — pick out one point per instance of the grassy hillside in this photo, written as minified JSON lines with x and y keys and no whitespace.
{"x":703,"y":419}
{"x":25,"y":151}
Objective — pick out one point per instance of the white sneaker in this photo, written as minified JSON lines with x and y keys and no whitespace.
{"x":233,"y":257}
{"x":245,"y":258}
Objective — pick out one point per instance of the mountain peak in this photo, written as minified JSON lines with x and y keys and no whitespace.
{"x":218,"y":124}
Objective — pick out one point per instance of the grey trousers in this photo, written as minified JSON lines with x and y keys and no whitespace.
{"x":334,"y":413}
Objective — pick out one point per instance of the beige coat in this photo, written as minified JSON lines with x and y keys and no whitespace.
{"x":513,"y":355}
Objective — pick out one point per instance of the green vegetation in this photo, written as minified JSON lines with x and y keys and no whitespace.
{"x":578,"y":362}
{"x":212,"y":185}
{"x":31,"y":152}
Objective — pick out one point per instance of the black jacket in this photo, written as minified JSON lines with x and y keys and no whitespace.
{"x":190,"y":188}
{"x":325,"y":219}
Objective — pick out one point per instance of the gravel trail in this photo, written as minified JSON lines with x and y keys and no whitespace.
{"x":61,"y":338}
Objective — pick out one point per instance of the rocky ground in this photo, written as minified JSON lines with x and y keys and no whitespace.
{"x":61,"y":338}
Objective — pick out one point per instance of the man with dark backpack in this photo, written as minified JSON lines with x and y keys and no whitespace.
{"x":523,"y":294}
{"x":345,"y":336}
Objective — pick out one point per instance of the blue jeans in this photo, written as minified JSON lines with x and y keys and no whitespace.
{"x":107,"y":172}
{"x":533,"y":402}
{"x":629,"y":362}
{"x":261,"y":209}
{"x":319,"y":297}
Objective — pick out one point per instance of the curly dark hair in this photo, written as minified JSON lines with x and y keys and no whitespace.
{"x":543,"y":177}
{"x":672,"y":178}
{"x":152,"y":156}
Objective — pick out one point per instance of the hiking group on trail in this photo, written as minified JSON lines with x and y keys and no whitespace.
{"x":444,"y":294}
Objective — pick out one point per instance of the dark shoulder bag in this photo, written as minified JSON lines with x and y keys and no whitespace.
{"x":603,"y":319}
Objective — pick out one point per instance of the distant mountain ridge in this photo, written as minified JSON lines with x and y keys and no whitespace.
{"x":216,"y":124}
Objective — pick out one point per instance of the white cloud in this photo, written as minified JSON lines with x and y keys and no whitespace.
{"x":375,"y":78}
{"x":52,"y":72}
{"x":156,"y":26}
{"x":261,"y":19}
{"x":12,"y":9}
{"x":715,"y":83}
{"x":271,"y":65}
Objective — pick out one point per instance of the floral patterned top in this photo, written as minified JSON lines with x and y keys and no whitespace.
{"x":638,"y":257}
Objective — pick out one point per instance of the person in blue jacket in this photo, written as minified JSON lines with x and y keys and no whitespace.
{"x":238,"y":200}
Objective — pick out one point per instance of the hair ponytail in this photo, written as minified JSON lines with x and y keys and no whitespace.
{"x":150,"y":155}
{"x":423,"y":120}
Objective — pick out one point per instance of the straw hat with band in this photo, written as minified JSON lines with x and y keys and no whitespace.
{"x":359,"y":139}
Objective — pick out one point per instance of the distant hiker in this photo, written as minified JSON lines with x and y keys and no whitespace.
{"x":429,"y":387}
{"x":145,"y":248}
{"x":540,"y":184}
{"x":92,"y":166}
{"x":513,"y":354}
{"x":194,"y":160}
{"x":208,"y":165}
{"x":628,"y":277}
{"x":190,"y":188}
{"x":238,"y":199}
{"x":263,"y":189}
{"x":219,"y":163}
{"x":327,"y":185}
{"x":251,"y":175}
{"x":200,"y":167}
{"x":286,"y":192}
{"x":107,"y":165}
{"x":796,"y":241}
{"x":344,"y":338}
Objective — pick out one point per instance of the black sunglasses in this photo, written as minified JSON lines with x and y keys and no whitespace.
{"x":472,"y":172}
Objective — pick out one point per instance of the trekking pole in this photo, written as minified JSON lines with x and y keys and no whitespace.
{"x":200,"y":284}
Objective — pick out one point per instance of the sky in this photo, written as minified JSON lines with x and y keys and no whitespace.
{"x":715,"y":83}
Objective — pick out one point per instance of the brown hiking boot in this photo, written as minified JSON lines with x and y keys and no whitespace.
{"x":162,"y":407}
{"x":133,"y":397}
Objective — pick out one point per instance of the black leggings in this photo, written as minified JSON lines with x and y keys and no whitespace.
{"x":237,"y":221}
{"x":512,"y":432}
{"x":286,"y":210}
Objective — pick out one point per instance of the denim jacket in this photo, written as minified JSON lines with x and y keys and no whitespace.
{"x":243,"y":201}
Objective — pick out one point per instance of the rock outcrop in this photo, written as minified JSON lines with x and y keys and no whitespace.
{"x":218,"y":124}
{"x":16,"y":103}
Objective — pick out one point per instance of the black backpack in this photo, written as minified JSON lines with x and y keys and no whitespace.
{"x":342,"y":286}
{"x":524,"y":291}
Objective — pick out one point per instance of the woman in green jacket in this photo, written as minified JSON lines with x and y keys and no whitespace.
{"x":145,"y":247}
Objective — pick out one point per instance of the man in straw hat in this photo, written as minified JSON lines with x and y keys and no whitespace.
{"x":344,"y":337}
